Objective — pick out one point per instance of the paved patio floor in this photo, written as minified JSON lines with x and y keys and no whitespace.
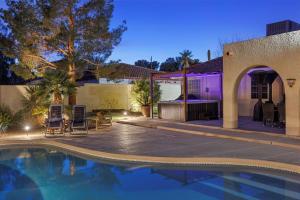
{"x":137,"y":140}
{"x":244,"y":123}
{"x":134,"y":140}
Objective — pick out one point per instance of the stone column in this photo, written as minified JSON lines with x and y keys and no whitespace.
{"x":230,"y":106}
{"x":292,"y":100}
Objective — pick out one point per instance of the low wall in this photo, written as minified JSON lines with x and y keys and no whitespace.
{"x":94,"y":96}
{"x":106,"y":96}
{"x":12,"y":95}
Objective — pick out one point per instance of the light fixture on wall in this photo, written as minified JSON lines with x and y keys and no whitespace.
{"x":291,"y":81}
{"x":229,"y":53}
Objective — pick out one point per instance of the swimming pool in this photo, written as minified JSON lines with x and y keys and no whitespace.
{"x":33,"y":174}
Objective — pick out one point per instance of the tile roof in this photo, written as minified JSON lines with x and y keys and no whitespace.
{"x":212,"y":66}
{"x":126,"y":71}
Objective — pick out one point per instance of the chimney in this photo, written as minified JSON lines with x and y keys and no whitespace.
{"x":208,"y":55}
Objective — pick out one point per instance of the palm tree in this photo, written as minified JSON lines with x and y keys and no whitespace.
{"x":34,"y":101}
{"x":35,"y":104}
{"x":56,"y":84}
{"x":186,"y":58}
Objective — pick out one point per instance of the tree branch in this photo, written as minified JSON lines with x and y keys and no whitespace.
{"x":51,"y":65}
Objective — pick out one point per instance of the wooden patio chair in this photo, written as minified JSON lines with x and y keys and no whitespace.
{"x":55,"y":121}
{"x":103,"y":120}
{"x":79,"y":123}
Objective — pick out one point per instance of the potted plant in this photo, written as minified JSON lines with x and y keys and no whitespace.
{"x":141,"y":93}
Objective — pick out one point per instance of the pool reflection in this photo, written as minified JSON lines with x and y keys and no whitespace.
{"x":47,"y":174}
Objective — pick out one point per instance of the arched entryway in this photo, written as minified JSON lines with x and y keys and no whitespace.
{"x":281,"y":53}
{"x":261,"y":100}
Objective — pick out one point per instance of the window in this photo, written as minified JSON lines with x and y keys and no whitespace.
{"x":194,"y":87}
{"x":255,"y":89}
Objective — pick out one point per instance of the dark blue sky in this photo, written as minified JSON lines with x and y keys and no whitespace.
{"x":163,"y":28}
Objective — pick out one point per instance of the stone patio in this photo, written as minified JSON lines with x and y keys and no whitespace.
{"x":134,"y":140}
{"x":244,"y":123}
{"x":158,"y":141}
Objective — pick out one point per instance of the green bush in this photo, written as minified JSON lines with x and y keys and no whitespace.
{"x":141,"y":92}
{"x":8,"y":119}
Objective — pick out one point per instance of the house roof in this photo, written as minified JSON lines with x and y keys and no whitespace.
{"x":126,"y":71}
{"x":214,"y":66}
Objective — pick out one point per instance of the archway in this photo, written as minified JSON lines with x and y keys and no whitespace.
{"x":281,"y":52}
{"x":260,"y":98}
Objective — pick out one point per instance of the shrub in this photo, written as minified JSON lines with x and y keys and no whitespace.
{"x":8,"y":119}
{"x":35,"y":105}
{"x":141,"y":92}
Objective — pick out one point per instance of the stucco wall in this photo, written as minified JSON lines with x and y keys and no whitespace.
{"x":11,"y":95}
{"x":281,"y":53}
{"x":213,"y":84}
{"x":95,"y":96}
{"x":105,"y":96}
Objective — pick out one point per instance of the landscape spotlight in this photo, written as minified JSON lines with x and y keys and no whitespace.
{"x":27,"y":128}
{"x":125,"y":113}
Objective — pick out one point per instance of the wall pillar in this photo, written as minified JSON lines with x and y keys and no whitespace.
{"x":230,"y":106}
{"x":292,"y":100}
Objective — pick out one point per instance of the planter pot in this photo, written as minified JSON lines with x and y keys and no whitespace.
{"x":145,"y":111}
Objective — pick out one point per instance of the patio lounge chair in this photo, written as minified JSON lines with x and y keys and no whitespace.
{"x":55,"y":121}
{"x":79,"y":122}
{"x":103,"y":120}
{"x":268,"y":114}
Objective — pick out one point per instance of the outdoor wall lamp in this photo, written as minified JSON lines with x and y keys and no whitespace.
{"x":229,"y":53}
{"x":291,"y":81}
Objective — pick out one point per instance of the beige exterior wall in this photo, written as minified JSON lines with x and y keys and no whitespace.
{"x":95,"y":96}
{"x":11,"y":95}
{"x":281,"y":53}
{"x":106,"y":96}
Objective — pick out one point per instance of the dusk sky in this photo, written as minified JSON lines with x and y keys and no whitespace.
{"x":163,"y":28}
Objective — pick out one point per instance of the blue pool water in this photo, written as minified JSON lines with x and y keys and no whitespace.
{"x":32,"y":174}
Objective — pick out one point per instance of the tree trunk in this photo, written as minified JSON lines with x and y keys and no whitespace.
{"x":71,"y":53}
{"x":57,"y":98}
{"x":72,"y":74}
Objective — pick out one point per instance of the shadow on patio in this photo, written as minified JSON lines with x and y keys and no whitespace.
{"x":245,"y":123}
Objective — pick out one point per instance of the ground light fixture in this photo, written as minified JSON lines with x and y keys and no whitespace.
{"x":125,"y":113}
{"x":27,"y":128}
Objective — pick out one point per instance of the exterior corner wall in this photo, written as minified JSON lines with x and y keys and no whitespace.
{"x":12,"y":95}
{"x":279,"y":52}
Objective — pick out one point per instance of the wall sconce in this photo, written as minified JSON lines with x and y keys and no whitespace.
{"x":229,"y":53}
{"x":291,"y":81}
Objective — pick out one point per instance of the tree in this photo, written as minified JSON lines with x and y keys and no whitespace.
{"x":77,"y":32}
{"x":141,"y":92}
{"x":55,"y":84}
{"x":7,"y":77}
{"x":150,"y":65}
{"x":186,"y":58}
{"x":35,"y":104}
{"x":170,"y":65}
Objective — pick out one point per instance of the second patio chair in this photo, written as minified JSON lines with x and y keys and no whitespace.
{"x":55,"y":122}
{"x":79,"y":124}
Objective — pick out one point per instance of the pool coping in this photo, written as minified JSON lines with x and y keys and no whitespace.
{"x":152,"y":160}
